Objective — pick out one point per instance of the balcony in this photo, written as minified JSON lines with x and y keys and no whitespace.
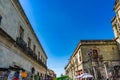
{"x":21,"y":43}
{"x":41,"y":63}
{"x":29,"y":51}
{"x":35,"y":56}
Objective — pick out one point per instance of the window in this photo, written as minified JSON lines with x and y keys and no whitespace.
{"x":34,"y":48}
{"x":0,"y":19}
{"x":118,"y":28}
{"x":41,"y":58}
{"x":38,"y":55}
{"x":45,"y":61}
{"x":116,"y":32}
{"x":33,"y":70}
{"x":29,"y":42}
{"x":21,"y":32}
{"x":95,"y":54}
{"x":79,"y":56}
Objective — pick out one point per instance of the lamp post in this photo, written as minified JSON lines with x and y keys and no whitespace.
{"x":90,"y":54}
{"x":90,"y":57}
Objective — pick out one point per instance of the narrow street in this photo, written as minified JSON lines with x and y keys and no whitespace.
{"x":59,"y":40}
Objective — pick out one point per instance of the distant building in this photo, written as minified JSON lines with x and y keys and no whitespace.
{"x":116,"y":22}
{"x":50,"y":74}
{"x":20,"y":48}
{"x":94,"y":57}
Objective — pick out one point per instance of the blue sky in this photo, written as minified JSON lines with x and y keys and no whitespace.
{"x":61,"y":24}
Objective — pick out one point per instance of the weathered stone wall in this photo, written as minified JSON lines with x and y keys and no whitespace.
{"x":11,"y":54}
{"x":108,"y":51}
{"x":107,"y":48}
{"x":12,"y":19}
{"x":110,"y":57}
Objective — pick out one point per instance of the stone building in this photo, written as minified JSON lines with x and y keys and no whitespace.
{"x":97,"y":57}
{"x":51,"y":74}
{"x":116,"y":22}
{"x":20,"y":48}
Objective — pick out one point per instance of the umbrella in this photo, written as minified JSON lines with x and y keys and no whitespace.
{"x":85,"y":75}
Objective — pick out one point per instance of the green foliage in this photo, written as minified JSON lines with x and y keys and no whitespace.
{"x":63,"y":78}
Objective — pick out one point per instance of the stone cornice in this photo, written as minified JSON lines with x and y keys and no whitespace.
{"x":97,"y":42}
{"x":90,"y":42}
{"x":19,"y":7}
{"x":113,"y":21}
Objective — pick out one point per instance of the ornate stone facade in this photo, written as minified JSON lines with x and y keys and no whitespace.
{"x":97,"y":57}
{"x":116,"y":22}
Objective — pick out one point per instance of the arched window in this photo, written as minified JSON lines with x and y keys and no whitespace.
{"x":94,"y":53}
{"x":33,"y":70}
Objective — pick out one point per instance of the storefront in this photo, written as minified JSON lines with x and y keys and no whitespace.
{"x":14,"y":73}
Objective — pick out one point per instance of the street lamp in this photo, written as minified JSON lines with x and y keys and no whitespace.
{"x":90,"y":54}
{"x":90,"y":58}
{"x":93,"y":54}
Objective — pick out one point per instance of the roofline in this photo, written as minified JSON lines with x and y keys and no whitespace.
{"x":106,"y":40}
{"x":113,"y":18}
{"x":18,"y":5}
{"x":80,"y":44}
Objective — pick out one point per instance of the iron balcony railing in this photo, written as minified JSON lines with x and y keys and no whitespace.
{"x":22,"y":44}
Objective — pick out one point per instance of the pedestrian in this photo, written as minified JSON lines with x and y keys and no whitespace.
{"x":16,"y":75}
